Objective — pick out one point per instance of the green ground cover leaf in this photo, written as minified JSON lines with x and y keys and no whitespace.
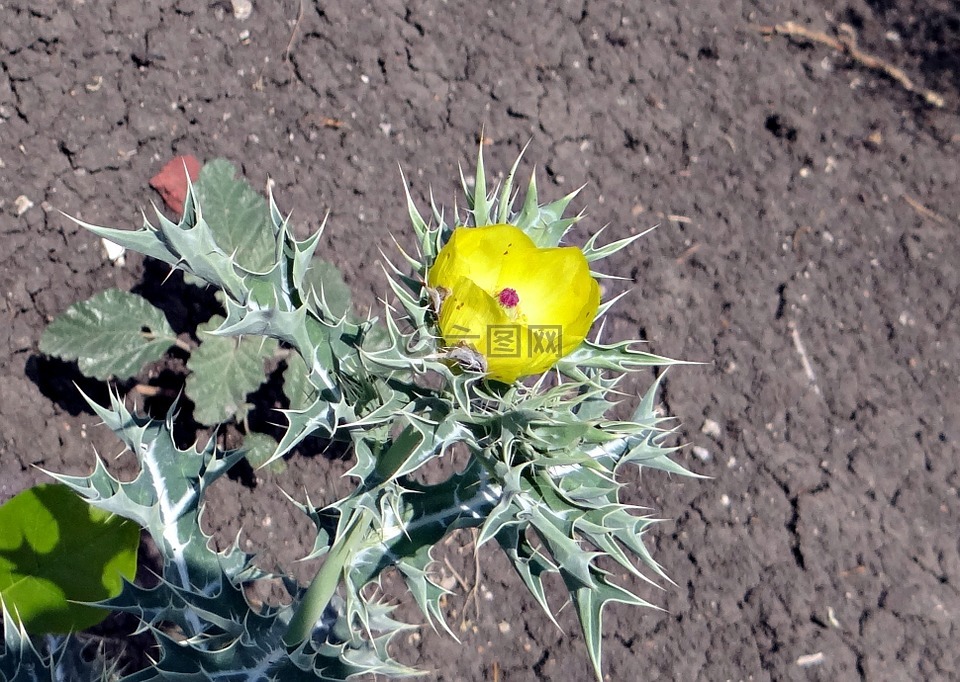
{"x":56,"y":550}
{"x":296,"y":383}
{"x":112,"y":334}
{"x":223,"y":370}
{"x":237,"y":215}
{"x":259,"y":448}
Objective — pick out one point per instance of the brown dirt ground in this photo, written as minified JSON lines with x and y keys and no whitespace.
{"x":808,"y":211}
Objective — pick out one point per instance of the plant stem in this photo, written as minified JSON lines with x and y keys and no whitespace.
{"x":324,"y":584}
{"x":184,"y":345}
{"x":179,"y":343}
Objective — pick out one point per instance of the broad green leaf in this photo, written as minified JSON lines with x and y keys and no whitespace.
{"x":259,"y":448}
{"x":238,"y":216}
{"x":327,"y":284}
{"x":223,"y":370}
{"x":296,"y":383}
{"x":112,"y":334}
{"x":56,"y":550}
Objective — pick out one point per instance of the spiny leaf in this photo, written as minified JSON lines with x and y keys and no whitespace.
{"x":622,"y":357}
{"x":53,"y":658}
{"x":505,"y":200}
{"x":326,"y":282}
{"x":531,"y":565}
{"x":592,"y":252}
{"x":164,"y":498}
{"x":112,"y":334}
{"x":589,"y":603}
{"x":223,"y":371}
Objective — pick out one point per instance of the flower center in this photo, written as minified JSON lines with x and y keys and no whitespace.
{"x":508,"y":298}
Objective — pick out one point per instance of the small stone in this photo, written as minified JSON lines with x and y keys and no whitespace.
{"x":114,"y":252}
{"x":711,"y":428}
{"x":808,"y":660}
{"x":242,"y":9}
{"x":874,"y":140}
{"x":725,"y":500}
{"x":504,"y":627}
{"x":832,"y":618}
{"x":22,"y":204}
{"x":702,"y":453}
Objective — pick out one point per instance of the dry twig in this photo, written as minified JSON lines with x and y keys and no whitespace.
{"x":293,"y":34}
{"x":924,"y":211}
{"x":847,"y":45}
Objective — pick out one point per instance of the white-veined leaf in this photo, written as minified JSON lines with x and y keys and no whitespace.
{"x":112,"y":334}
{"x":223,"y":370}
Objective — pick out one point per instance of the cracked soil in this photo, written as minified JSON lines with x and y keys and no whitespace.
{"x":807,"y":253}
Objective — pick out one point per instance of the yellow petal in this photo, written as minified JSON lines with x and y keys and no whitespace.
{"x":477,"y":253}
{"x":553,"y":284}
{"x":466,"y":315}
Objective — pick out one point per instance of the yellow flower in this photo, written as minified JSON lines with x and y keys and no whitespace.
{"x":519,"y":306}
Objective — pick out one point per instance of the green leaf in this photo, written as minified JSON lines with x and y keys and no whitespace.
{"x":237,"y":215}
{"x":326,"y":282}
{"x":112,"y":334}
{"x":589,"y":603}
{"x":259,"y":448}
{"x":223,"y":370}
{"x":296,"y":383}
{"x":56,"y":550}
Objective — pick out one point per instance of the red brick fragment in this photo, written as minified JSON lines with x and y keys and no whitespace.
{"x":171,"y":181}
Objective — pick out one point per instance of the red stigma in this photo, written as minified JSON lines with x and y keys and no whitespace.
{"x":508,"y":298}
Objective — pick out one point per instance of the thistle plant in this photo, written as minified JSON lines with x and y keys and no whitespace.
{"x":485,"y":351}
{"x":114,"y":334}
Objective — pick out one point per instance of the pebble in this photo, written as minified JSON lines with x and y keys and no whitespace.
{"x":114,"y":252}
{"x":810,"y":659}
{"x":832,"y":617}
{"x":242,"y":9}
{"x":701,"y":453}
{"x":22,"y":204}
{"x":711,"y":428}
